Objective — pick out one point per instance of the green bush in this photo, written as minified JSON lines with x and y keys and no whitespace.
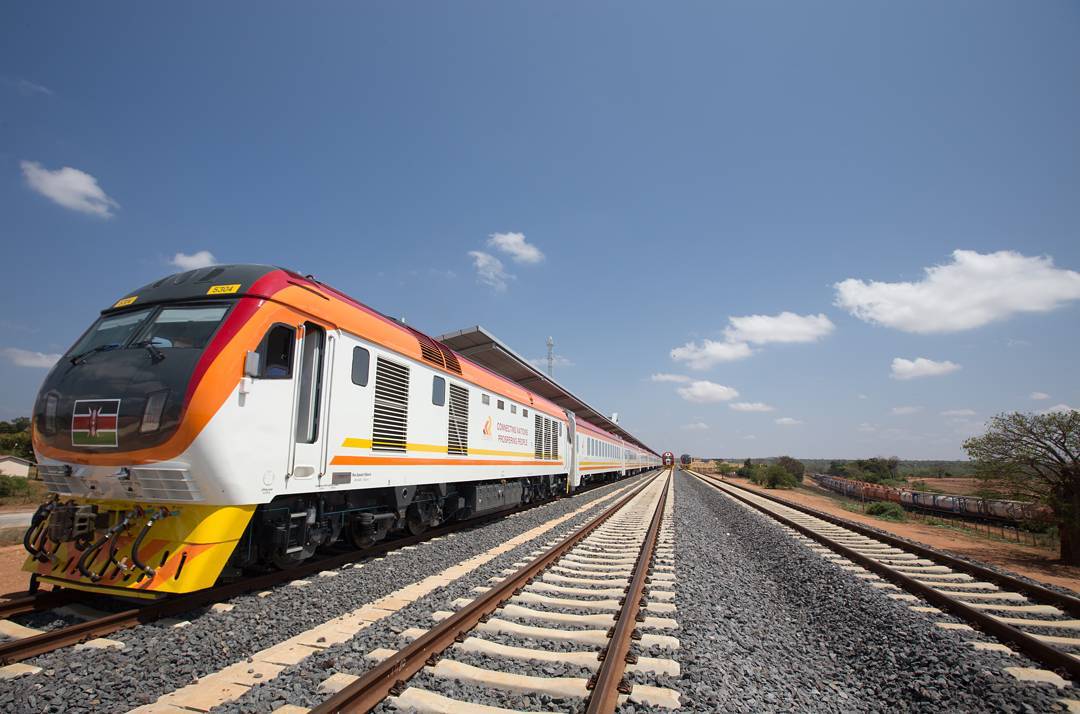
{"x":886,"y":509}
{"x":14,"y":486}
{"x":778,"y":477}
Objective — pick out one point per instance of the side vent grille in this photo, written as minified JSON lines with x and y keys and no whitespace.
{"x":457,"y":437}
{"x":547,"y":439}
{"x":538,"y":438}
{"x":452,"y":363}
{"x":391,"y":406}
{"x":555,"y":439}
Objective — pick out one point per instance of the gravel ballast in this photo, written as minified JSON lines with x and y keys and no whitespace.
{"x":159,"y":658}
{"x":767,"y":625}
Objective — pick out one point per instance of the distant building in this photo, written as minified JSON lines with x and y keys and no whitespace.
{"x":15,"y":466}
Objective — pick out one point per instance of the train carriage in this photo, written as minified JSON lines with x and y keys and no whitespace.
{"x":243,"y":416}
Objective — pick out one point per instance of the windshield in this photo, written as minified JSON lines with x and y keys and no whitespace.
{"x":111,"y":331}
{"x":183,"y":327}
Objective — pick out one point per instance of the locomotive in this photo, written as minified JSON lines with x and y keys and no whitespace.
{"x":242,"y":416}
{"x":668,"y":459}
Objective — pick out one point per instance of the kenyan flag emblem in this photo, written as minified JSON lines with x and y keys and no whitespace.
{"x":93,"y":422}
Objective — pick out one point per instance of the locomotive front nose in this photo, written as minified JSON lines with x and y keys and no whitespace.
{"x":122,"y":386}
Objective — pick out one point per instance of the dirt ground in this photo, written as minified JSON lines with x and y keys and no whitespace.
{"x":12,"y":578}
{"x":1035,"y":563}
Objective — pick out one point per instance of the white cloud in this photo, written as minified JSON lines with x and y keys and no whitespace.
{"x":200,"y":259}
{"x":704,"y":392}
{"x":958,"y":413}
{"x":921,"y":367}
{"x":787,"y":421}
{"x":973,"y":290}
{"x":490,"y":271}
{"x":70,"y":188}
{"x":710,"y":353}
{"x":902,"y":411}
{"x":866,"y":428}
{"x":696,"y":426}
{"x":756,"y":329}
{"x":785,"y":327}
{"x":541,"y":362}
{"x":1039,"y":395}
{"x":749,"y":437}
{"x":25,"y":86}
{"x":665,"y":377}
{"x":863,"y":396}
{"x":515,"y":245}
{"x":750,"y":407}
{"x":1058,"y":409}
{"x":26,"y":358}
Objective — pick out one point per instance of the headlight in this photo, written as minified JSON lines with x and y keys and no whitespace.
{"x":155,"y":405}
{"x":51,"y":402}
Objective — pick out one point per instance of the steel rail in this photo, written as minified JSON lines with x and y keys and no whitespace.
{"x":1036,"y":649}
{"x":379,"y":682}
{"x":1065,"y":602}
{"x":45,"y":600}
{"x":27,"y":647}
{"x":608,"y":683}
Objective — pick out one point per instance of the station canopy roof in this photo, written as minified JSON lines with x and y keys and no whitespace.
{"x":485,"y":349}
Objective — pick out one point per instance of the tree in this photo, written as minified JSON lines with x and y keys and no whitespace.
{"x":776,"y":476}
{"x":793,"y":466}
{"x":17,"y":444}
{"x":1036,"y":457}
{"x":747,"y":470}
{"x":836,"y":468}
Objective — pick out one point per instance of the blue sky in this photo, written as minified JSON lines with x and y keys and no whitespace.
{"x":672,"y":167}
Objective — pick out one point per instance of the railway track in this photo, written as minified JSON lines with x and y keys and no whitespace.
{"x":1042,"y":623}
{"x":617,"y":569}
{"x":99,"y":625}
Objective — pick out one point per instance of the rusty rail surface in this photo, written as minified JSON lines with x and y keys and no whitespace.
{"x":1040,"y":651}
{"x":379,"y":682}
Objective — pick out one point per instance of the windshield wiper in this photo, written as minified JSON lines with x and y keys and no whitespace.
{"x":81,"y":357}
{"x":155,"y":354}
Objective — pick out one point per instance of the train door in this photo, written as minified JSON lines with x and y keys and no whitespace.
{"x":312,"y":397}
{"x":572,"y":476}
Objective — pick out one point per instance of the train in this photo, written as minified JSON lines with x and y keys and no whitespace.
{"x":685,"y":459}
{"x":969,"y":506}
{"x":668,"y":459}
{"x":237,"y":418}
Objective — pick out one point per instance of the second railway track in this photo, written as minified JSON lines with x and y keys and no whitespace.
{"x":1041,"y":623}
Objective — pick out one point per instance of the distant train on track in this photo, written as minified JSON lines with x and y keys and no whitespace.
{"x":686,"y":459}
{"x":668,"y":458}
{"x":970,"y":506}
{"x":239,"y":417}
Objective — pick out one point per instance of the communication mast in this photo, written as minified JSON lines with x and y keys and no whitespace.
{"x":551,"y":356}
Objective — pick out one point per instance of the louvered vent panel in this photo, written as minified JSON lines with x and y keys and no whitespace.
{"x":391,"y":406}
{"x":428,"y":349}
{"x":554,"y":439}
{"x":451,"y":359}
{"x":538,"y":437}
{"x":457,"y":437}
{"x":547,"y":438}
